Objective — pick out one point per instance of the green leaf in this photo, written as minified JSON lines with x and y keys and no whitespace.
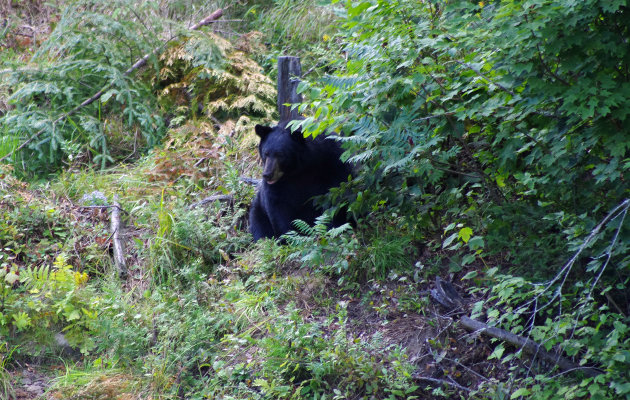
{"x":449,"y":240}
{"x":11,"y":277}
{"x":475,"y":243}
{"x":520,"y":392}
{"x":21,"y":321}
{"x":108,"y":94}
{"x":465,"y":234}
{"x":470,"y":275}
{"x":354,"y":11}
{"x":73,"y":315}
{"x":468,"y":258}
{"x":621,"y":388}
{"x":498,"y":352}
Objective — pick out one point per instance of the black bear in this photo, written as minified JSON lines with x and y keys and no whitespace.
{"x":295,"y":169}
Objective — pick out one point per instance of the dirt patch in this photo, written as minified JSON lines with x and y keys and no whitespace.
{"x":29,"y":383}
{"x":27,"y":23}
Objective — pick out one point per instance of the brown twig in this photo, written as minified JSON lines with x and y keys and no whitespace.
{"x":138,"y":64}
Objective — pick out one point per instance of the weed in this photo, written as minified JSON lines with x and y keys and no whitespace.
{"x":6,"y":387}
{"x":38,"y":300}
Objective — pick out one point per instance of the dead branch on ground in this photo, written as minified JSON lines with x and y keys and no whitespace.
{"x":528,"y":345}
{"x":119,"y":255}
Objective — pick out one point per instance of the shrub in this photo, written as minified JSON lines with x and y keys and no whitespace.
{"x":507,"y":119}
{"x":89,"y":50}
{"x":38,"y":301}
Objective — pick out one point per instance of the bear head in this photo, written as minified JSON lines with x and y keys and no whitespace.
{"x":280,"y":151}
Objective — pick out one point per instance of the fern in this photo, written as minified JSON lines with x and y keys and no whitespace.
{"x":207,"y":70}
{"x":304,"y":228}
{"x":321,"y":246}
{"x":35,"y":278}
{"x":60,"y":277}
{"x":336,"y":232}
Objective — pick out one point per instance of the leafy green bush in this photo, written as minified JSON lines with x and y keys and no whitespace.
{"x":36,"y":301}
{"x":507,"y":119}
{"x":208,"y":73}
{"x":577,"y":311}
{"x":352,"y":258}
{"x":29,"y":231}
{"x":327,"y":249}
{"x":454,"y":109}
{"x":298,"y":359}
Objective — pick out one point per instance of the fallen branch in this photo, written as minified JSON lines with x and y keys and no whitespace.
{"x":441,"y":382}
{"x":119,"y":255}
{"x":138,"y":64}
{"x":104,"y":207}
{"x":526,"y":344}
{"x":217,"y":197}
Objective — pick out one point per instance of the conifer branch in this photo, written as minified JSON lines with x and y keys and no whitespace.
{"x":137,"y":65}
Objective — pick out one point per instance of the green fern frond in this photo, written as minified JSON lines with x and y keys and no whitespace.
{"x":340,"y":230}
{"x":304,"y":228}
{"x":35,"y":278}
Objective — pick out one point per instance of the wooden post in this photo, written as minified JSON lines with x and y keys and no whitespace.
{"x":289,"y":72}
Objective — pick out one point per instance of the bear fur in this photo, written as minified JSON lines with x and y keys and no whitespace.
{"x":295,"y":169}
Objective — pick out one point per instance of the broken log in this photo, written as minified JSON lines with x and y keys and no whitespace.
{"x":211,"y":199}
{"x":250,"y":181}
{"x":119,"y":255}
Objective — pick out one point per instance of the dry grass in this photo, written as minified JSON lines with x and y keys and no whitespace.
{"x":100,"y":386}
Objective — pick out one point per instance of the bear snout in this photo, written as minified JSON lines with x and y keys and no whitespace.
{"x":272,"y":172}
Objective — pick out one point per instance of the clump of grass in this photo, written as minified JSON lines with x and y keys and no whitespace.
{"x":6,"y":387}
{"x":96,"y":382}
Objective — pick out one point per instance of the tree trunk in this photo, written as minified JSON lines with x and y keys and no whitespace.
{"x":289,"y":72}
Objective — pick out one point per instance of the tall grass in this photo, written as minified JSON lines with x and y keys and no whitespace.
{"x":8,"y":143}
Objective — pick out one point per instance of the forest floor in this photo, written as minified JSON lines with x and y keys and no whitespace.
{"x":380,"y":316}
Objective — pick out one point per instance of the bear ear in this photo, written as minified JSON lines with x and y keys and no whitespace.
{"x":262,"y":131}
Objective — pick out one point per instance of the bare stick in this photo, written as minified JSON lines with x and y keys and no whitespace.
{"x":526,"y":344}
{"x":138,"y":64}
{"x":119,"y":255}
{"x":441,"y":382}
